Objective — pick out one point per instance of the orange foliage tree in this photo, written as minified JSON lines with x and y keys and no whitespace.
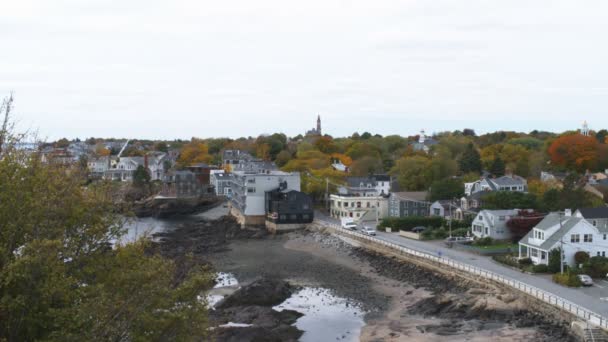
{"x":575,"y":151}
{"x":194,"y":152}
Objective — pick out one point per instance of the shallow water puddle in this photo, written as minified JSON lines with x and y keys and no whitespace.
{"x":326,"y":317}
{"x":226,"y":283}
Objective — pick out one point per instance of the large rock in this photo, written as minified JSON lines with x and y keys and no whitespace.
{"x":263,"y":292}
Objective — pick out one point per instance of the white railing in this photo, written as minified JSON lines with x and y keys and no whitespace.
{"x":547,"y":297}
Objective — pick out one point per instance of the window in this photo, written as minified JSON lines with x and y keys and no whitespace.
{"x":588,"y":238}
{"x":594,"y":223}
{"x":604,"y":236}
{"x":358,"y":204}
{"x":501,"y":218}
{"x":604,"y":253}
{"x":251,"y":190}
{"x":345,"y":204}
{"x":575,"y":238}
{"x":305,"y":206}
{"x":251,"y":180}
{"x":543,"y":255}
{"x":368,"y":204}
{"x":534,"y":252}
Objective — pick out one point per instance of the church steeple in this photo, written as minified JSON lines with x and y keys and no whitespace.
{"x":585,"y":130}
{"x":319,"y":125}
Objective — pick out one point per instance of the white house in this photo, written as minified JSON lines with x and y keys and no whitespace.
{"x":372,"y":186}
{"x":123,"y":168}
{"x":504,"y":183}
{"x":493,"y":224}
{"x":572,"y":232}
{"x":359,"y":208}
{"x":248,"y":190}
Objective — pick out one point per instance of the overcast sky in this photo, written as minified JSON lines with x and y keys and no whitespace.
{"x":183,"y":68}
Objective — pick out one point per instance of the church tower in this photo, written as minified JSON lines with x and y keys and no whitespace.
{"x":585,"y":129}
{"x":319,"y":125}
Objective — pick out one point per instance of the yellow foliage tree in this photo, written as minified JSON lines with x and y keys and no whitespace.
{"x":194,"y":152}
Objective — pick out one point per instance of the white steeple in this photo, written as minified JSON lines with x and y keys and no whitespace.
{"x":422,"y":137}
{"x":585,"y":129}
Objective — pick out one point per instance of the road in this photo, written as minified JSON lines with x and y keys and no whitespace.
{"x":593,"y":298}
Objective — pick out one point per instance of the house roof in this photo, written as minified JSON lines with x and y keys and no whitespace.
{"x":507,"y":180}
{"x":355,"y":182}
{"x":507,"y":212}
{"x":594,"y":213}
{"x":446,"y":204}
{"x":550,"y":221}
{"x":412,"y":195}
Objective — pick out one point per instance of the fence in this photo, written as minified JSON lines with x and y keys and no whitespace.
{"x":547,"y":297}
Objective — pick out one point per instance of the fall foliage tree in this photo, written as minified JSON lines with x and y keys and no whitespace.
{"x":521,"y":224}
{"x":62,"y":278}
{"x":575,"y":151}
{"x":196,"y":151}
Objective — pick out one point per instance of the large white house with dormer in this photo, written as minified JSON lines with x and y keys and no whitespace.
{"x":574,"y":232}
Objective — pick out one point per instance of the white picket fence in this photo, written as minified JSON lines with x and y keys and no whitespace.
{"x":547,"y":297}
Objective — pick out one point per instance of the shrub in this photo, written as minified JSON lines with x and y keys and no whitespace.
{"x":460,"y":231}
{"x":434,"y":234}
{"x":506,"y":259}
{"x":581,"y":257}
{"x":554,"y":260}
{"x":542,"y":268}
{"x":596,"y":267}
{"x":525,"y":262}
{"x":567,"y":279}
{"x":485,"y":241}
{"x":407,"y":223}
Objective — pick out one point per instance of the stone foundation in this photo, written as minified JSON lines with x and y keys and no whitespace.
{"x":247,"y":220}
{"x":284,"y":227}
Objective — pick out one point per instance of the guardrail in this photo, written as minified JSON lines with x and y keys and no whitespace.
{"x":547,"y":297}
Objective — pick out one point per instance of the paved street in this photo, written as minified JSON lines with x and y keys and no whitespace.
{"x":593,"y":298}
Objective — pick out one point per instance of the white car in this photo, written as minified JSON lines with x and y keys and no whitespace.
{"x":350,"y":225}
{"x":585,"y":279}
{"x":368,"y":231}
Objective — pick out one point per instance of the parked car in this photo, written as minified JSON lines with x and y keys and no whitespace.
{"x":350,"y":225}
{"x":585,"y":279}
{"x":368,"y":231}
{"x":418,"y":229}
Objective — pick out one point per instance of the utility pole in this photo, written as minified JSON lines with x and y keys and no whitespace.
{"x":450,"y":220}
{"x":327,"y":193}
{"x":561,"y":248}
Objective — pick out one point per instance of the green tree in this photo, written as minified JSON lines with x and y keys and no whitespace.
{"x":60,"y":277}
{"x":554,"y":260}
{"x":497,"y":168}
{"x":141,"y":176}
{"x":413,"y":173}
{"x":446,"y":189}
{"x":497,"y":200}
{"x":162,"y":147}
{"x":283,"y":158}
{"x":470,"y":160}
{"x":366,"y":166}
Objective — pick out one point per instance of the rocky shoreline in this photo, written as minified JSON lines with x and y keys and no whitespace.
{"x":252,"y":307}
{"x":400,"y":299}
{"x":171,"y":207}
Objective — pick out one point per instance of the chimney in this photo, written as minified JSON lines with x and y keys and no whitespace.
{"x":568,"y":212}
{"x":146,"y":161}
